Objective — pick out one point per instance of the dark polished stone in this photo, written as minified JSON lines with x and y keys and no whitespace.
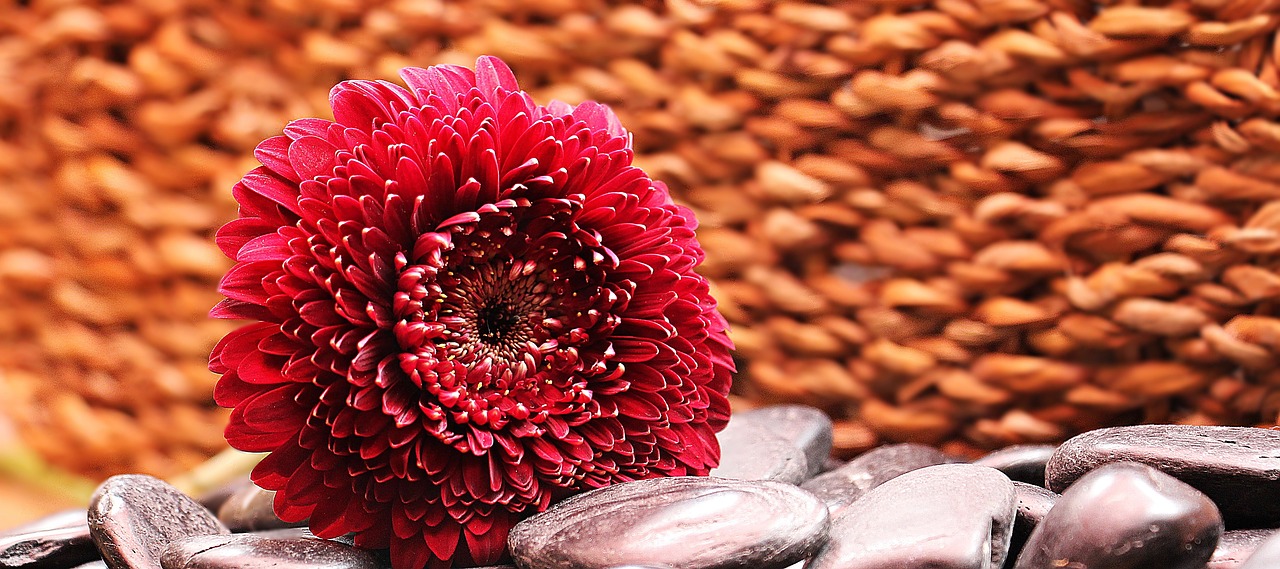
{"x":840,"y":487}
{"x":1034,"y":504}
{"x":1266,"y":556}
{"x":686,"y":522}
{"x":1126,"y":516}
{"x":1235,"y":546}
{"x":249,"y":509}
{"x":949,"y":516}
{"x":1238,"y":467}
{"x":807,"y":428}
{"x":254,"y":551}
{"x":1021,"y":463}
{"x":54,"y":548}
{"x":58,"y":540}
{"x":749,"y":450}
{"x":132,"y":517}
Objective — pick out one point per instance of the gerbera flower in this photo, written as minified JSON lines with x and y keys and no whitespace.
{"x":467,"y":306}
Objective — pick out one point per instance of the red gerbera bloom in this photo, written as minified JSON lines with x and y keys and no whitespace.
{"x":468,"y":305}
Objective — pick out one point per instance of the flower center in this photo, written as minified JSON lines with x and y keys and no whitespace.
{"x":495,"y":327}
{"x":494,"y":322}
{"x":488,"y":315}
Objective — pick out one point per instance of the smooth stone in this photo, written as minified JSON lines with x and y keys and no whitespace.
{"x":48,"y":548}
{"x":1126,"y":516}
{"x":749,"y":450}
{"x":1266,"y":556}
{"x":1021,"y":463}
{"x":249,"y":509}
{"x":253,"y":551}
{"x":297,"y":533}
{"x":831,"y":463}
{"x":59,"y":520}
{"x":132,"y":517}
{"x":948,"y":516}
{"x":840,"y":487}
{"x":1238,"y":467}
{"x":686,"y":522}
{"x":808,"y":428}
{"x":1034,"y":504}
{"x":214,"y":499}
{"x":288,"y":533}
{"x":1235,"y":547}
{"x":303,"y":533}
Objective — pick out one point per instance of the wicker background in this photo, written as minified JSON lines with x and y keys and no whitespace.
{"x":964,"y":222}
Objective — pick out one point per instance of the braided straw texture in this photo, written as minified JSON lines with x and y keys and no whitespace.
{"x":964,"y":222}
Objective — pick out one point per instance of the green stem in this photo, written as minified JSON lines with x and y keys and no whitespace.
{"x":25,"y":466}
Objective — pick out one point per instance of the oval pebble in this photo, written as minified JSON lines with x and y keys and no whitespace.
{"x":216,"y":497}
{"x":1238,"y":467}
{"x":685,"y":522}
{"x":842,"y":486}
{"x":1235,"y":547}
{"x":949,"y":516}
{"x":1021,"y":463}
{"x":805,"y":427}
{"x":1266,"y":556}
{"x":248,"y":508}
{"x":48,"y":548}
{"x":1034,"y":504}
{"x":1125,"y":516}
{"x":750,"y":450}
{"x":253,"y":551}
{"x":132,"y":517}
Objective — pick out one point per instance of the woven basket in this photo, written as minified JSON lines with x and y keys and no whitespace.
{"x":964,"y":222}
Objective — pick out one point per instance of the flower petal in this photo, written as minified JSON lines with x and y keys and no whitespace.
{"x":312,"y":157}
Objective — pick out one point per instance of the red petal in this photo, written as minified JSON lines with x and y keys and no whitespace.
{"x":274,"y":409}
{"x":269,"y":247}
{"x":442,"y":80}
{"x":239,"y":310}
{"x":492,"y":73}
{"x":487,"y":539}
{"x":308,"y":127}
{"x":244,"y":281}
{"x":637,"y":408}
{"x":275,"y":469}
{"x":312,"y":157}
{"x":270,"y":186}
{"x":274,"y":154}
{"x":232,"y":236}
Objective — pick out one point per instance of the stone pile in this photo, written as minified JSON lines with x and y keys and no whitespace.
{"x":1169,"y":496}
{"x":964,"y":222}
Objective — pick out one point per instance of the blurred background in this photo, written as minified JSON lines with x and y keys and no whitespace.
{"x":969,"y":223}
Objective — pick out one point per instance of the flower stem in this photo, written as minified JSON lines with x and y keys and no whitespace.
{"x":216,"y":472}
{"x":24,"y":466}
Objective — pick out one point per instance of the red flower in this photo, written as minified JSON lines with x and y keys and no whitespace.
{"x":468,"y":306}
